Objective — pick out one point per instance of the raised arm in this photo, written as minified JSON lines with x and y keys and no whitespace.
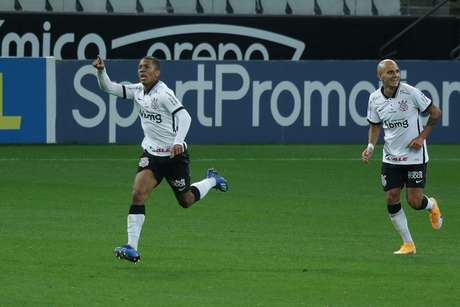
{"x":104,"y":81}
{"x":373,"y":136}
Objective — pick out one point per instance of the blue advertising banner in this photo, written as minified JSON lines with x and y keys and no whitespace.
{"x":250,"y":102}
{"x":23,"y":100}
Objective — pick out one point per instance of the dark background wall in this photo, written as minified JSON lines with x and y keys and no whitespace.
{"x":324,"y":37}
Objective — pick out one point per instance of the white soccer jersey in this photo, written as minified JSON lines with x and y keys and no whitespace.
{"x":400,"y":117}
{"x":157,"y":109}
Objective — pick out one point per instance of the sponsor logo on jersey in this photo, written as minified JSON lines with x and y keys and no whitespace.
{"x":154,"y":117}
{"x":395,"y":158}
{"x":161,"y":149}
{"x":396,"y":124}
{"x":415,"y":175}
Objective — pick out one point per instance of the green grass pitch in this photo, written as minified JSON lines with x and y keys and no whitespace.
{"x":301,"y":225}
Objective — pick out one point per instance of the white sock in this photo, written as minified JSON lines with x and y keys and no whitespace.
{"x":204,"y":186}
{"x":135,"y":222}
{"x":429,"y":206}
{"x":399,"y":221}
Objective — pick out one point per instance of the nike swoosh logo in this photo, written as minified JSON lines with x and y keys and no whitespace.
{"x":418,"y":181}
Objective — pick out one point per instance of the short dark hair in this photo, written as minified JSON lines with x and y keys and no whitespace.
{"x":154,"y":60}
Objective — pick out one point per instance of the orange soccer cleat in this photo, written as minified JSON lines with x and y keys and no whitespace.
{"x":406,"y":249}
{"x":435,"y":215}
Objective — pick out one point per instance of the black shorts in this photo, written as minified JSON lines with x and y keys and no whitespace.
{"x":398,"y":176}
{"x":175,"y":170}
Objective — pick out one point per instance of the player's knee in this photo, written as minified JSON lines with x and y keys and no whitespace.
{"x":392,"y":198}
{"x":139,"y":196}
{"x":185,"y":201}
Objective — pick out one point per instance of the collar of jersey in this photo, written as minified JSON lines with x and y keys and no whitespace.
{"x":394,"y":94}
{"x":153,"y":86}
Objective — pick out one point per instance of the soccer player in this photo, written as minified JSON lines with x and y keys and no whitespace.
{"x":165,"y":123}
{"x":397,"y":107}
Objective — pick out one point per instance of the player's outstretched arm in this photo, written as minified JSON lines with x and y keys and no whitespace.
{"x":373,"y":136}
{"x":104,"y":81}
{"x":435,"y":116}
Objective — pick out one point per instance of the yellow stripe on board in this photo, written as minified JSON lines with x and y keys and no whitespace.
{"x":7,"y":122}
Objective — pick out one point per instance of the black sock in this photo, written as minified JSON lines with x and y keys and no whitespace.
{"x":424,"y":203}
{"x":195,"y":192}
{"x":393,"y":209}
{"x":137,"y":209}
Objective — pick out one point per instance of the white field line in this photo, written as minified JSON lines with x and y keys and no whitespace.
{"x":205,"y":159}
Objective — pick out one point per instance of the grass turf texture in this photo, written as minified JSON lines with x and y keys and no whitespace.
{"x":301,"y":226}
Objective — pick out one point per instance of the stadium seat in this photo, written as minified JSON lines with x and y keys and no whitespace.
{"x":7,"y":6}
{"x":190,"y":6}
{"x":331,"y":7}
{"x":154,"y":7}
{"x":274,"y":7}
{"x":31,"y":5}
{"x":302,"y":7}
{"x":388,"y":7}
{"x":239,"y":7}
{"x":382,"y":7}
{"x":92,"y":6}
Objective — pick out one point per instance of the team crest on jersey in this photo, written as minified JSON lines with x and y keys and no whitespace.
{"x":143,"y":162}
{"x":384,"y":180}
{"x":403,"y":105}
{"x":154,"y":103}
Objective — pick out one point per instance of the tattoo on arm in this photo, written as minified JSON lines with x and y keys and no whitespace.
{"x":432,"y":121}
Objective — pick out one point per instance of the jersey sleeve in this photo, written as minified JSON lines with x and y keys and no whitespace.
{"x":420,"y":100}
{"x":129,"y":90}
{"x":170,"y":102}
{"x":372,"y":115}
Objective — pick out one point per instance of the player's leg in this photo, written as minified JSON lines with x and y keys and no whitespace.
{"x":419,"y":201}
{"x":179,"y":179}
{"x":144,"y":182}
{"x":416,"y":179}
{"x":392,"y":181}
{"x":198,"y":190}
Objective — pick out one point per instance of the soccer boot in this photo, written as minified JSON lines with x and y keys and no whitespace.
{"x":221,"y":182}
{"x":435,"y":215}
{"x":406,"y":249}
{"x":127,"y":252}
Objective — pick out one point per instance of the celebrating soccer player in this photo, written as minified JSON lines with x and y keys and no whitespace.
{"x":397,"y":106}
{"x":165,"y":123}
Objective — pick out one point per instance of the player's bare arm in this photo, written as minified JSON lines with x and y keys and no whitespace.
{"x":374,"y":132}
{"x":435,"y":116}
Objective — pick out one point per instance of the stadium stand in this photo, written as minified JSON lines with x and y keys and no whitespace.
{"x":243,"y":7}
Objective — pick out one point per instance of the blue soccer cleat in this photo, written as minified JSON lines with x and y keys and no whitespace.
{"x":127,"y":252}
{"x":221,"y":182}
